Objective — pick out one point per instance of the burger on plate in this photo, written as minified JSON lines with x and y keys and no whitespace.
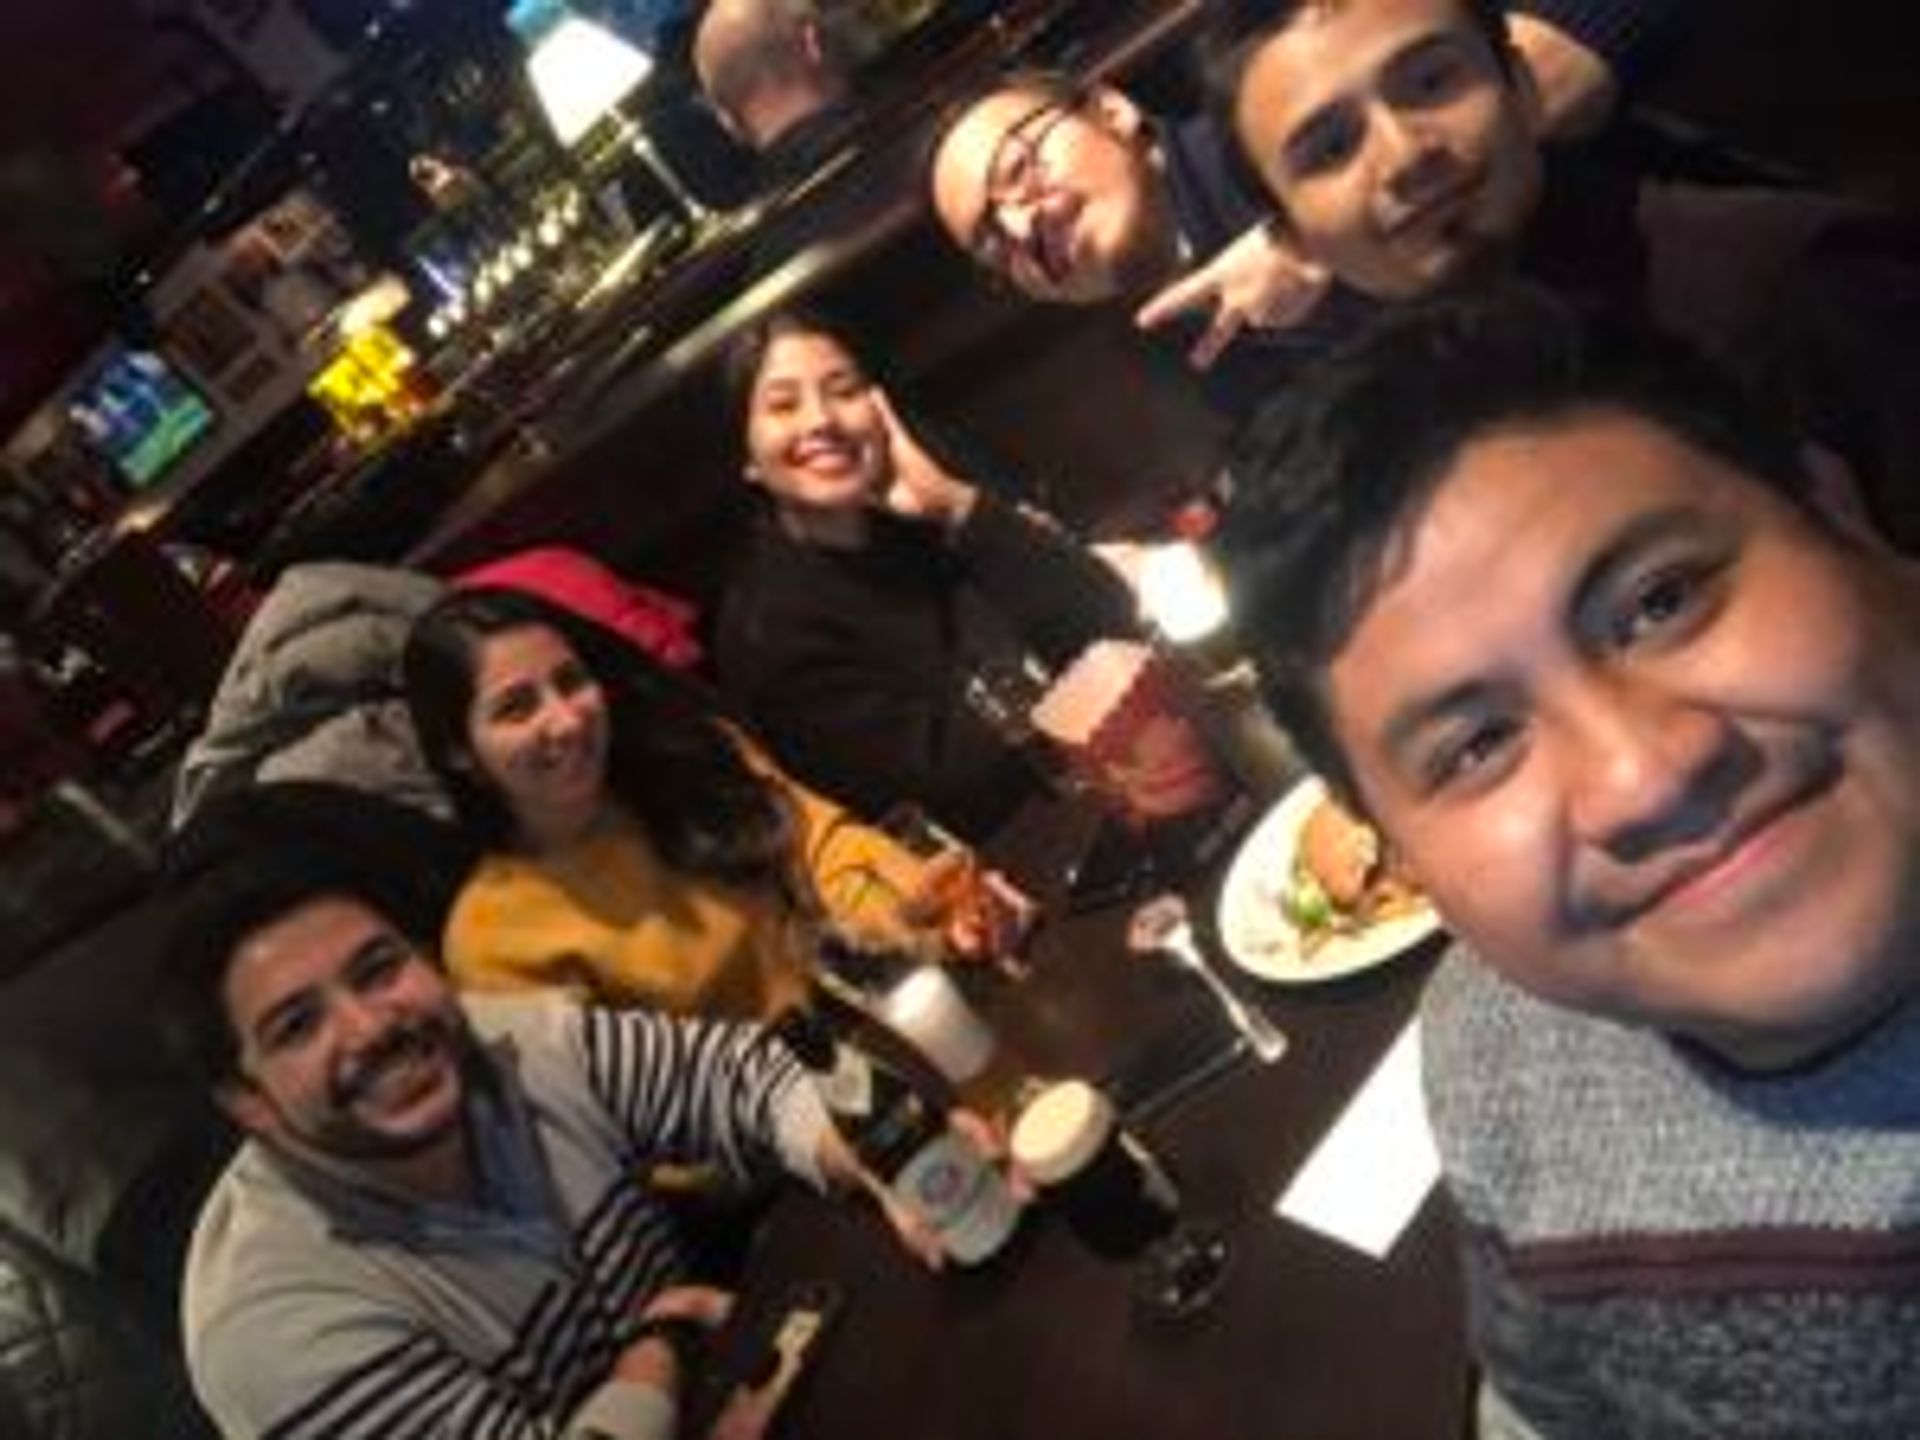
{"x":1343,"y":878}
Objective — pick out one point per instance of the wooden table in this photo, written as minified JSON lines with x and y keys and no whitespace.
{"x":1306,"y":1340}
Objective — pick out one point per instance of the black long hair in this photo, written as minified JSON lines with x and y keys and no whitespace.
{"x":669,"y":761}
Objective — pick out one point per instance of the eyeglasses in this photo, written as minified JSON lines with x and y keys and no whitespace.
{"x":1016,"y":172}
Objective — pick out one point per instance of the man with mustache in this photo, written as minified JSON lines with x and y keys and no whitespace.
{"x":437,"y":1224}
{"x":1401,"y":142}
{"x":1073,"y":194}
{"x":1552,"y":604}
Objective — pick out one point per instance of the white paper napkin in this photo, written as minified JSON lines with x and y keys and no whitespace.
{"x":1366,"y":1180}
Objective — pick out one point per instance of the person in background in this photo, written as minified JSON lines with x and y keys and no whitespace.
{"x":1072,"y":194}
{"x":1555,"y":606}
{"x":636,"y":849}
{"x":436,"y":1225}
{"x":877,"y":583}
{"x":778,"y":76}
{"x":1400,"y":140}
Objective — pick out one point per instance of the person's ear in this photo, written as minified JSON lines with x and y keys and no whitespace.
{"x":1116,"y":114}
{"x":246,"y":1106}
{"x":1833,"y":490}
{"x":826,"y":55}
{"x":727,"y":122}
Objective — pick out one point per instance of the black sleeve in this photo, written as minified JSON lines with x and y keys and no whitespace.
{"x":824,"y":691}
{"x":849,"y":728}
{"x":1058,"y":595}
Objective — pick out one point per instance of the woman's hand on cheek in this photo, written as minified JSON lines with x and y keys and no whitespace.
{"x":917,"y":486}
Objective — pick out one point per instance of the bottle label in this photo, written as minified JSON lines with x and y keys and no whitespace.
{"x":847,"y":1089}
{"x":950,"y":1185}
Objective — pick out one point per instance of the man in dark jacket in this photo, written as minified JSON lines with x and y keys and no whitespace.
{"x":1400,"y":142}
{"x":1074,"y":195}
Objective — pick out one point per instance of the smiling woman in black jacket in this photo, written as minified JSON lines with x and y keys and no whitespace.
{"x":877,"y":583}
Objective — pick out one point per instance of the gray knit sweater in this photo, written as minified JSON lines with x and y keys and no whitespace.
{"x":316,"y":1306}
{"x":1658,"y":1247}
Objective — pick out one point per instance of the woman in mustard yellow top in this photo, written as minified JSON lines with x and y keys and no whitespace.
{"x":638,"y":851}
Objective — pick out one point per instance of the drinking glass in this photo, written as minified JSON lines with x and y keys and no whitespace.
{"x":1002,"y":693}
{"x":964,"y":888}
{"x":1117,"y":1197}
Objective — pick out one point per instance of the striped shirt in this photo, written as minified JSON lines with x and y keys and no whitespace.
{"x":316,"y":1305}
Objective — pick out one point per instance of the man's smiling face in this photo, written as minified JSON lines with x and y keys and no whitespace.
{"x":1060,"y":197}
{"x":1397,"y":141}
{"x":1648,"y":735}
{"x":350,"y":1041}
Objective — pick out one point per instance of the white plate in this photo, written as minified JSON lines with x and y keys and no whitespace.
{"x":1254,"y":928}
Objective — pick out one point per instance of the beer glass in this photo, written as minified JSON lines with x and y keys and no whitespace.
{"x":1002,"y":693}
{"x":1132,"y":724}
{"x":1117,"y":1197}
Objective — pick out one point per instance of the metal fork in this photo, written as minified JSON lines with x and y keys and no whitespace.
{"x":1162,"y":926}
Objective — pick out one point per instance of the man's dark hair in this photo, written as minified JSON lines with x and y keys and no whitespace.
{"x":1232,"y":27}
{"x":1332,"y":475}
{"x":256,"y":855}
